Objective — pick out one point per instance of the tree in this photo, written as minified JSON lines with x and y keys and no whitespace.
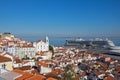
{"x":25,"y":58}
{"x":69,"y":73}
{"x":51,"y":49}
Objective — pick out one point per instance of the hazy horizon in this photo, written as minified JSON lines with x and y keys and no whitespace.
{"x":63,"y":36}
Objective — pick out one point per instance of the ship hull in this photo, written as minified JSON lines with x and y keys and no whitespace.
{"x":100,"y":46}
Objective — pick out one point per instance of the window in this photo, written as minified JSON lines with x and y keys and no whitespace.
{"x":3,"y":66}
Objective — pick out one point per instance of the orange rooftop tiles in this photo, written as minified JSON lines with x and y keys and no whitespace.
{"x":109,"y":78}
{"x":37,"y":77}
{"x":51,"y":78}
{"x":24,"y":76}
{"x":17,"y":60}
{"x":4,"y":59}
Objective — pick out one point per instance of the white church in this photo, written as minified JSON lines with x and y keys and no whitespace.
{"x":41,"y":46}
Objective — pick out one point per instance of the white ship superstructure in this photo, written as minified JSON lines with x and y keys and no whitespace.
{"x":92,"y":44}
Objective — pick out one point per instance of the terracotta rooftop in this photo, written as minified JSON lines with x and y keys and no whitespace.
{"x":29,"y":76}
{"x":17,"y":60}
{"x":51,"y":78}
{"x":4,"y":59}
{"x":24,"y":68}
{"x":4,"y":44}
{"x":37,"y":77}
{"x":18,"y":71}
{"x":24,"y":76}
{"x":109,"y":78}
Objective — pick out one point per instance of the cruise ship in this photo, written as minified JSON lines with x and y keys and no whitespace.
{"x":93,"y":44}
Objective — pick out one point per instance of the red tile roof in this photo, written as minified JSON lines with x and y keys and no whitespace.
{"x":24,"y":68}
{"x":24,"y":76}
{"x":109,"y":78}
{"x":17,"y":60}
{"x":4,"y":59}
{"x":18,"y":71}
{"x":37,"y":77}
{"x":51,"y":78}
{"x":29,"y":76}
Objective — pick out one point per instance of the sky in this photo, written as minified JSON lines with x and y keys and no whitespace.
{"x":60,"y":17}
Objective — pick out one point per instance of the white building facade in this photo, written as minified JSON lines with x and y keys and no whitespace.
{"x":25,"y":51}
{"x":41,"y":46}
{"x":21,"y":51}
